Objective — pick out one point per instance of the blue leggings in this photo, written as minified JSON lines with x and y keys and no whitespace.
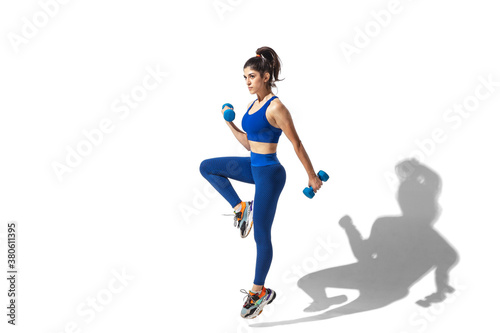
{"x":269,"y":176}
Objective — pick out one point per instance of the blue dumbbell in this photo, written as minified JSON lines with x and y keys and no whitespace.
{"x":308,"y":191}
{"x":229,"y":114}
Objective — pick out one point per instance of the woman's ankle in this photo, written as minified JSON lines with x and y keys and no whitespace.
{"x":257,"y":289}
{"x":237,"y":207}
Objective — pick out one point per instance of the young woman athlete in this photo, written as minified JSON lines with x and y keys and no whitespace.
{"x":264,"y":121}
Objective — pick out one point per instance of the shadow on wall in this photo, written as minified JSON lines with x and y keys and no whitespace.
{"x":400,"y":251}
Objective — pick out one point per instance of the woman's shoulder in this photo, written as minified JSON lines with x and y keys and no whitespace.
{"x":276,"y":106}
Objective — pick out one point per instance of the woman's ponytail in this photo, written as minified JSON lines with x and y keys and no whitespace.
{"x":266,"y":60}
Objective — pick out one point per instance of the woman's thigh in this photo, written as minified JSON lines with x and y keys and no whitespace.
{"x":269,"y":183}
{"x":234,"y":167}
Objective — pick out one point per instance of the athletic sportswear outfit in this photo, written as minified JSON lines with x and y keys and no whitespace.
{"x":263,"y":170}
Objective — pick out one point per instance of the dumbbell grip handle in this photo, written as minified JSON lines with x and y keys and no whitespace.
{"x":323,"y":176}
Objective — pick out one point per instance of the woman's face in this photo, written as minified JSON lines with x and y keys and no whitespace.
{"x":254,"y":81}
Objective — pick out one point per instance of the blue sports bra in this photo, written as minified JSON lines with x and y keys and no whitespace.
{"x":258,"y":127}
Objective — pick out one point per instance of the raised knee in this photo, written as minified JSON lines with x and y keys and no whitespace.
{"x":204,"y":167}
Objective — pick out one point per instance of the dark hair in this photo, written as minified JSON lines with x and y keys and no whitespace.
{"x":268,"y":61}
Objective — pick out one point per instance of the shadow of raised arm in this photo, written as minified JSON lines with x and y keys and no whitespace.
{"x":361,"y":248}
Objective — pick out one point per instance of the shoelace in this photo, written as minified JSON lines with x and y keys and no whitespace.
{"x":249,"y":297}
{"x":236,"y":216}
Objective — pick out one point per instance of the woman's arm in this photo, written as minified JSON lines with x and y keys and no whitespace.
{"x":280,"y":114}
{"x":239,"y":134}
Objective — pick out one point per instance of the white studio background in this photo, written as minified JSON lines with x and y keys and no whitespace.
{"x":130,"y":238}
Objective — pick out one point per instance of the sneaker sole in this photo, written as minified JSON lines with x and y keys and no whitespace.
{"x":259,"y":309}
{"x":250,"y":218}
{"x":248,"y":231}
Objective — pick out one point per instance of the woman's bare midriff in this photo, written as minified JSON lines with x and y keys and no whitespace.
{"x":263,"y":147}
